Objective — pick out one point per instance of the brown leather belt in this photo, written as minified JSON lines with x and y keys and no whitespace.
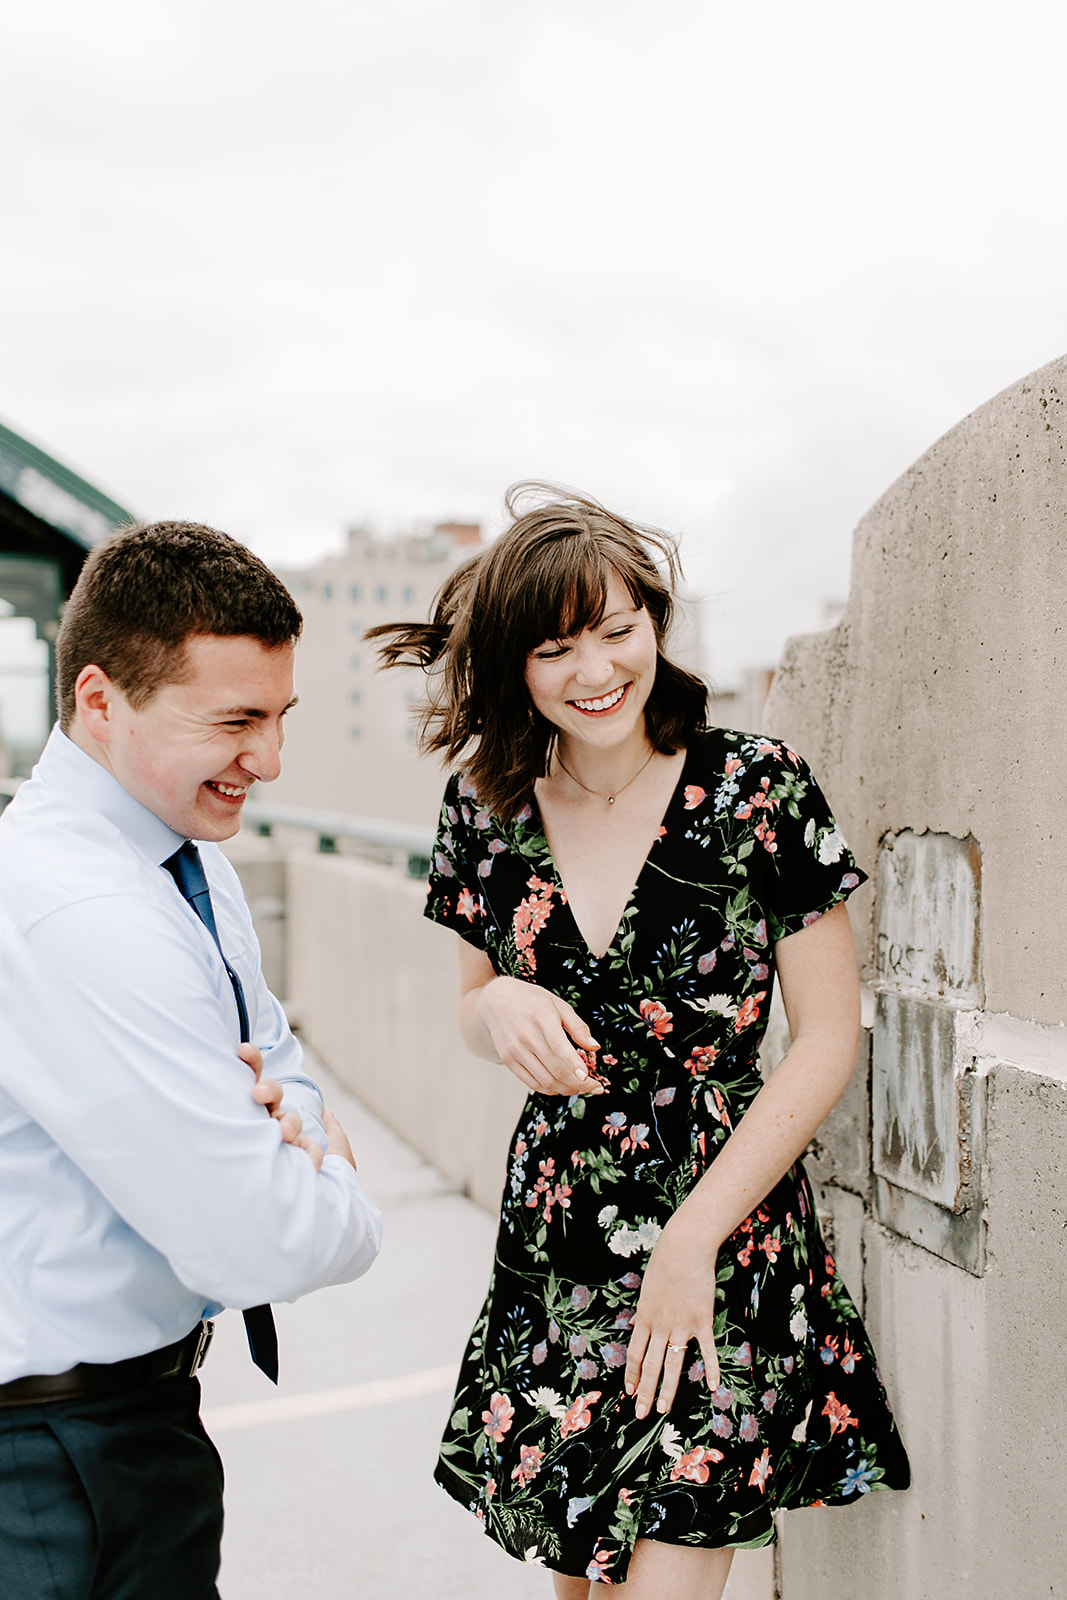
{"x":179,"y":1360}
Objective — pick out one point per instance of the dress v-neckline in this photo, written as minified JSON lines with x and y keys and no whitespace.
{"x":557,"y":876}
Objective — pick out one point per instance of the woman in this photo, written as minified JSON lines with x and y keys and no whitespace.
{"x":666,"y":1354}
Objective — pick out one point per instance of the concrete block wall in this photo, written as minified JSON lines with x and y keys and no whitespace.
{"x":375,"y":989}
{"x":933,"y":715}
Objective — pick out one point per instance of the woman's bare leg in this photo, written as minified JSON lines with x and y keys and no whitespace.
{"x":679,"y":1570}
{"x":570,"y":1588}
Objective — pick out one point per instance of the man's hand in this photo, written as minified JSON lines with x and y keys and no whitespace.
{"x":337,"y":1139}
{"x":268,"y":1093}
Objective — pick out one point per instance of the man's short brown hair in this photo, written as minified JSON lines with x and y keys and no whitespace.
{"x":146,"y":591}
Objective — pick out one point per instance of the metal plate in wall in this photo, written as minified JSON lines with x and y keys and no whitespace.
{"x":928,"y":908}
{"x":914,"y":1099}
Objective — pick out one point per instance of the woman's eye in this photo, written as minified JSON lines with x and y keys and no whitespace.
{"x":621,"y":633}
{"x":550,"y":652}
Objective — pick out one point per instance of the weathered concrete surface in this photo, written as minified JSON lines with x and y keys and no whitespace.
{"x":937,"y":702}
{"x":263,"y":878}
{"x":935,"y":708}
{"x":840,"y":1153}
{"x":376,"y":989}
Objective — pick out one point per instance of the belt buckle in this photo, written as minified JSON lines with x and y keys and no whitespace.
{"x":196,"y":1360}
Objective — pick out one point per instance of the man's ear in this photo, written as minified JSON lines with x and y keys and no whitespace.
{"x":94,"y":698}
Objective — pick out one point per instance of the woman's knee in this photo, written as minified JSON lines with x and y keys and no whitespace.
{"x":685,"y":1572}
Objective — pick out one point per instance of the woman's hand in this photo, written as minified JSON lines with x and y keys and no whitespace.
{"x":820,"y":988}
{"x":536,"y":1035}
{"x":676,"y":1308}
{"x":539,"y":1037}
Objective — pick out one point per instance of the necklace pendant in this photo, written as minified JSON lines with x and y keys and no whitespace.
{"x":611,"y":799}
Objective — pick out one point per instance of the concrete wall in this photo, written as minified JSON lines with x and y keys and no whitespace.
{"x":933,"y":714}
{"x":375,"y":987}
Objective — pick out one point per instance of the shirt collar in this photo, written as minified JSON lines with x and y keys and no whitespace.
{"x":66,"y":767}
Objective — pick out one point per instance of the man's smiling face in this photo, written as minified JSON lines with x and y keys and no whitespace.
{"x":192,"y":753}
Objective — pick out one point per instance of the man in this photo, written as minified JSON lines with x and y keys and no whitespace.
{"x":146,"y":1177}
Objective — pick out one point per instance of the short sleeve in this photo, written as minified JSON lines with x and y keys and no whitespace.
{"x":808,"y":866}
{"x":454,"y":894}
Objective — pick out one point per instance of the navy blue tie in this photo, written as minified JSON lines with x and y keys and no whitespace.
{"x":187,"y":870}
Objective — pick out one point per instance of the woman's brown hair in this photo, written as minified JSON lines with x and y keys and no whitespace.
{"x":545,"y":577}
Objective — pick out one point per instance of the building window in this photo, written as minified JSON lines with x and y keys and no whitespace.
{"x":355,"y":697}
{"x":355,"y":733}
{"x":409,"y":594}
{"x":357,"y":626}
{"x":354,"y":663}
{"x":354,"y":592}
{"x":382,"y":592}
{"x":327,"y":591}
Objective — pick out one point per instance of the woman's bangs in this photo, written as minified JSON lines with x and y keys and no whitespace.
{"x":566,"y":598}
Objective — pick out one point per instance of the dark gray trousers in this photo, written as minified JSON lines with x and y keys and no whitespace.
{"x":113,"y":1498}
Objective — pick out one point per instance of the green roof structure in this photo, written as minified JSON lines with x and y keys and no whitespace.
{"x":50,"y":519}
{"x":51,"y":492}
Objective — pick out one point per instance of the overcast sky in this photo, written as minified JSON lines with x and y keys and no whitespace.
{"x":282,"y":267}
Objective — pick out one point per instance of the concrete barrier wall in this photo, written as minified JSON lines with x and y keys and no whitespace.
{"x":934,"y":716}
{"x":375,"y":989}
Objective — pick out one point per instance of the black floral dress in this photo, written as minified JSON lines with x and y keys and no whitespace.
{"x":543,"y":1445}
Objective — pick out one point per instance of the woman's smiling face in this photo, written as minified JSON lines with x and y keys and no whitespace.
{"x":593,"y":686}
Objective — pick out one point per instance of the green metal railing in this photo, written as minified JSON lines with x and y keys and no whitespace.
{"x":409,"y":844}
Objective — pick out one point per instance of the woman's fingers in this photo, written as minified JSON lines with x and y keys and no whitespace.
{"x":711,"y":1360}
{"x":651,"y":1366}
{"x":565,"y":1037}
{"x":547,"y":1079}
{"x":634,"y":1357}
{"x":673,"y":1361}
{"x":656,"y":1358}
{"x":549,"y":1065}
{"x":575,"y":1027}
{"x":526,"y":1062}
{"x":531,"y":1030}
{"x":567,"y":1071}
{"x":520,"y":1070}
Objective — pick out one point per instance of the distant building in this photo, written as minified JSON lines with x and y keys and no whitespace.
{"x":350,"y":744}
{"x":687,"y":644}
{"x":742,"y":707}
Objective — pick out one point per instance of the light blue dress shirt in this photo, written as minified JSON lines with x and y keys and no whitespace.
{"x":140,"y":1185}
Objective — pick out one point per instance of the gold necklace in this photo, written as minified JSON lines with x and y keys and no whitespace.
{"x":610,"y":798}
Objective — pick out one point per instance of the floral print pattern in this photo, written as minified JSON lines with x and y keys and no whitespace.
{"x":542,"y":1444}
